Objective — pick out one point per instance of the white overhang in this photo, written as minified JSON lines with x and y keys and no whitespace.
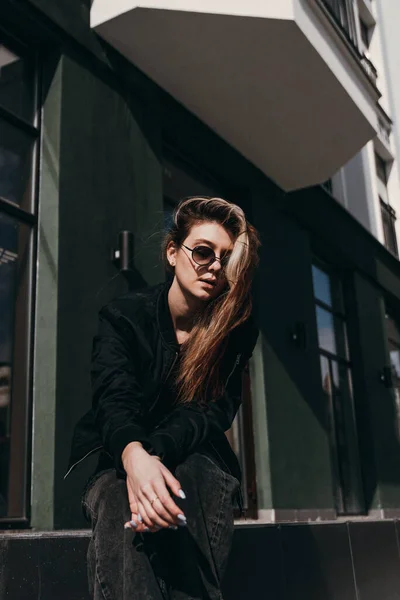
{"x":277,"y":80}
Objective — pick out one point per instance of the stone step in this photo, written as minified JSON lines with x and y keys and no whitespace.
{"x":324,"y":561}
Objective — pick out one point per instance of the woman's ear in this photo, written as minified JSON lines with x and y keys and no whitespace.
{"x":171,"y":253}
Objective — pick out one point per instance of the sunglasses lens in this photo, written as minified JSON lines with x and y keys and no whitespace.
{"x":203,"y":255}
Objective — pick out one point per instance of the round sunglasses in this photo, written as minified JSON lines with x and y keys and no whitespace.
{"x":204,"y":256}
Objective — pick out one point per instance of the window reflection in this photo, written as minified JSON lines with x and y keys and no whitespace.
{"x":337,"y":387}
{"x":322,"y":286}
{"x":15,"y":163}
{"x":18,"y":136}
{"x":392,"y":330}
{"x":326,"y":332}
{"x":16,"y":84}
{"x":8,"y":281}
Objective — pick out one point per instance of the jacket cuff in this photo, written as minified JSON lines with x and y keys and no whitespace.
{"x":164,"y":446}
{"x":124,"y":436}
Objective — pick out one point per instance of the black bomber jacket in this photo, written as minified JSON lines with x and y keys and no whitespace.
{"x":134,"y":353}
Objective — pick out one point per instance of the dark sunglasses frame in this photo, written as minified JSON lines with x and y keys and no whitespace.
{"x":213,"y":257}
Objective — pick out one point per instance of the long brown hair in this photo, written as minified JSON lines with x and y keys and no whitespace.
{"x":199,"y":370}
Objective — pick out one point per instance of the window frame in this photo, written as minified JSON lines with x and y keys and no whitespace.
{"x":25,"y":214}
{"x":342,"y":12}
{"x":388,"y":216}
{"x":365,"y":33}
{"x":340,"y":492}
{"x":381,"y":169}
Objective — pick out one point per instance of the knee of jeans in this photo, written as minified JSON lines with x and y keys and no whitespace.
{"x":108,"y":497}
{"x":190,"y":467}
{"x":197,"y":469}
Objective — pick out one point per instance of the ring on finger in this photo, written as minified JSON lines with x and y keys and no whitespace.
{"x":154,"y":499}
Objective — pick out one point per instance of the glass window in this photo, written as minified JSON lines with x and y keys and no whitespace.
{"x":17,"y":225}
{"x":8,"y":286}
{"x":381,"y":168}
{"x":389,"y":227}
{"x":338,"y":390}
{"x":16,"y":83}
{"x":322,"y":286}
{"x":326,"y":330}
{"x":364,"y":29}
{"x":15,"y":163}
{"x":343,"y":13}
{"x":8,"y":256}
{"x":393,"y":337}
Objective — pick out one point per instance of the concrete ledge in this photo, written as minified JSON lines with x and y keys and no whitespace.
{"x":307,"y":561}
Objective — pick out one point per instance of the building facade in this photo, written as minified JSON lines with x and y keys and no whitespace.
{"x":109,"y":114}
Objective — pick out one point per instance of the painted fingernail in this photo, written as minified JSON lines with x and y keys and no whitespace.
{"x":140,"y":519}
{"x":133,"y":524}
{"x":182,"y":494}
{"x":182,"y":518}
{"x":127,"y":526}
{"x":172,"y":527}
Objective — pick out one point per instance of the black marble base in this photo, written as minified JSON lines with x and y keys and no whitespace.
{"x":327,"y":561}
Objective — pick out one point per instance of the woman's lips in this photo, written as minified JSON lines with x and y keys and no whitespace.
{"x":210,"y":283}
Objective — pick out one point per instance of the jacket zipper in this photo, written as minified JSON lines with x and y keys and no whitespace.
{"x":237,"y":361}
{"x":151,"y":408}
{"x":165,"y":380}
{"x":239,"y":493}
{"x":72,"y":467}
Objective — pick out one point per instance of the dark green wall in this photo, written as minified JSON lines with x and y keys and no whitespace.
{"x":296,"y":411}
{"x":382,"y":427}
{"x":372,"y":277}
{"x":110,"y":180}
{"x":115,"y":126}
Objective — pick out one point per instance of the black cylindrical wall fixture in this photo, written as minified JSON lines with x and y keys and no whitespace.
{"x":123,"y":255}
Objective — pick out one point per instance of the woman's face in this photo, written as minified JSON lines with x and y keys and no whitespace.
{"x":202,"y":282}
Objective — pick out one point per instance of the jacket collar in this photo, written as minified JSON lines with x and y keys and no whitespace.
{"x":164,"y":318}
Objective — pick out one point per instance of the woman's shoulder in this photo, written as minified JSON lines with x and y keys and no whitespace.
{"x":134,"y":305}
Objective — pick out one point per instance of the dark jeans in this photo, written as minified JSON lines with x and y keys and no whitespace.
{"x":183,"y":564}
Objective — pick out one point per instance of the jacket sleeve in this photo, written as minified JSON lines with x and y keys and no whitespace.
{"x":189,"y":426}
{"x":117,"y":396}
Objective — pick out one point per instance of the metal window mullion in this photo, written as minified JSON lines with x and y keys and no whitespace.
{"x":18,"y":487}
{"x":335,"y":313}
{"x":18,"y":122}
{"x":392,"y":220}
{"x":351,"y":18}
{"x":337,"y":477}
{"x":352,"y":444}
{"x":20,"y":381}
{"x":16,"y":212}
{"x":336,"y":357}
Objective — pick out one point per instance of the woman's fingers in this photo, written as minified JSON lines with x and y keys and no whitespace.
{"x":149,"y":494}
{"x":172,"y":483}
{"x":132,"y":498}
{"x":146,"y":521}
{"x":165,"y":506}
{"x":133,"y":505}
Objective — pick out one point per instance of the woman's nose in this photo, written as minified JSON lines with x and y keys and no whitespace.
{"x":215,"y":266}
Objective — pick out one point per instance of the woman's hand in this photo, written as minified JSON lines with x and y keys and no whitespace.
{"x":147,"y":479}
